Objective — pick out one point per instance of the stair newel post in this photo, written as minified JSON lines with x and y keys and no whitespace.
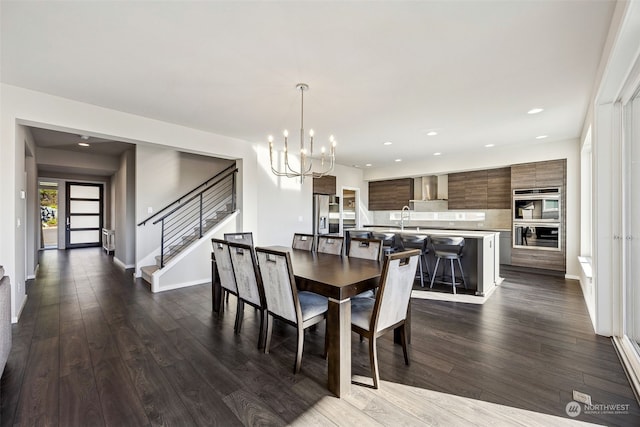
{"x":162,"y":244}
{"x":200,"y":200}
{"x":233,"y":191}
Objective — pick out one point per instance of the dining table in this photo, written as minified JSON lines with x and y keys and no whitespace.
{"x":339,"y":278}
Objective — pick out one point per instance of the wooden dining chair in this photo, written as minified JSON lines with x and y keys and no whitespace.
{"x":225,"y":269}
{"x":365,"y":248}
{"x":373,"y":317}
{"x":249,"y":283}
{"x":330,"y":245}
{"x":300,"y":309}
{"x":244,"y":237}
{"x":303,"y":241}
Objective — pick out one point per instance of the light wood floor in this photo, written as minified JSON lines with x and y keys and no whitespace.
{"x":94,"y":347}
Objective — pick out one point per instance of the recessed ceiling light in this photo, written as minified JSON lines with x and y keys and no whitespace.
{"x":535,"y":111}
{"x":83,"y":144}
{"x":355,"y":166}
{"x":85,"y":137}
{"x":490,"y":145}
{"x":398,"y":160}
{"x":368,"y":165}
{"x":432,"y":133}
{"x":437,"y":154}
{"x":541,"y":136}
{"x":388,"y":143}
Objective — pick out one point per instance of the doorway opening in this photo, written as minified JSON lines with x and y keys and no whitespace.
{"x":48,"y":214}
{"x":349,"y":203}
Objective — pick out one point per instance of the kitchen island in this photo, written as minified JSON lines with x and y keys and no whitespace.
{"x":481,"y":256}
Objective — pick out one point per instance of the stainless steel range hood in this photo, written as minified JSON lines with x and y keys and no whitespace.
{"x":431,"y":187}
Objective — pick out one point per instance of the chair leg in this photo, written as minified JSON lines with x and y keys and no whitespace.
{"x":326,"y":340}
{"x":373,"y":358}
{"x":239,"y":315}
{"x":269,"y":331}
{"x":426,"y":264}
{"x":464,"y":282}
{"x":421,"y":273}
{"x":435,"y":270}
{"x":403,"y":341}
{"x":296,"y":366}
{"x":453,"y":278}
{"x":262,"y":335}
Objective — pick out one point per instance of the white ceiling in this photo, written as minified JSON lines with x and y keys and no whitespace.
{"x":378,"y":71}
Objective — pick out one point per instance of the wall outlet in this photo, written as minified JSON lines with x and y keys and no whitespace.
{"x":150,"y":210}
{"x":300,"y":219}
{"x":581,"y":397}
{"x":481,"y":224}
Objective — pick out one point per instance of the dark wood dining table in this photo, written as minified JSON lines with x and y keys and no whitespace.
{"x":338,"y":278}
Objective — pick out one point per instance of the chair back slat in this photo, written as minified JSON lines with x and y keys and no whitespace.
{"x":244,"y":237}
{"x":330,"y":245}
{"x":365,"y":248}
{"x":278,"y":282}
{"x":246,"y":273}
{"x":223,"y":265}
{"x":303,"y":241}
{"x":394,"y":292}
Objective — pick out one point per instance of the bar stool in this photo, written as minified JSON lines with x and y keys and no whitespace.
{"x":421,"y":242}
{"x":448,"y":248}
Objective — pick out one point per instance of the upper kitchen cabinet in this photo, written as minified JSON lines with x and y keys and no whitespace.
{"x":499,"y":188}
{"x":324,"y":185}
{"x":483,"y":189}
{"x":549,"y":173}
{"x":390,"y":195}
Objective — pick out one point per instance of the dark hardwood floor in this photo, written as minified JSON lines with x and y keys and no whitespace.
{"x":94,"y":347}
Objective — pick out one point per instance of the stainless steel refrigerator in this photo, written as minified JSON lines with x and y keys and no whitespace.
{"x":320,"y":214}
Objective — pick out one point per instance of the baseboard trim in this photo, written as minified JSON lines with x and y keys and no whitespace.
{"x":181,"y":285}
{"x":122,"y":264}
{"x":14,"y":319}
{"x":572,"y":277}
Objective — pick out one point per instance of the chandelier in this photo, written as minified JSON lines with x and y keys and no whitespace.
{"x":306,"y":157}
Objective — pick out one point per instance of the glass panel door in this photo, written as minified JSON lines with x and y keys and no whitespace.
{"x":632,"y":223}
{"x":84,"y":214}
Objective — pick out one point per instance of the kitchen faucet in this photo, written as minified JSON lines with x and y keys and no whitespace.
{"x":404,"y":208}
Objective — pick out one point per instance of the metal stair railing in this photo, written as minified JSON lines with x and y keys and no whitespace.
{"x":193,"y":217}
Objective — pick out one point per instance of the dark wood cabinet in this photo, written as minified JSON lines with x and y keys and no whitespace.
{"x":390,"y":194}
{"x":499,"y":188}
{"x":483,"y":189}
{"x":550,"y":173}
{"x":324,"y":185}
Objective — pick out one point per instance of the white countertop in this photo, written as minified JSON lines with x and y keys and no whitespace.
{"x":471,"y":234}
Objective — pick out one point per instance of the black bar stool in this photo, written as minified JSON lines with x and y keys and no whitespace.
{"x":421,"y":242}
{"x":448,"y":248}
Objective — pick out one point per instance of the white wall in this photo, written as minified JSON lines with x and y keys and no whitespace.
{"x":21,"y":106}
{"x":124,"y":210}
{"x":505,"y":156}
{"x":163,"y":175}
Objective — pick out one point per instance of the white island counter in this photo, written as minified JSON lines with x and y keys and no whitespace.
{"x":481,"y":256}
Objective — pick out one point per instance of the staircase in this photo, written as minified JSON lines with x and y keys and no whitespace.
{"x":187,"y":220}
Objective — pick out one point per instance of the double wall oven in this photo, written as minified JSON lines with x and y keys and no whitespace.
{"x":537,"y":218}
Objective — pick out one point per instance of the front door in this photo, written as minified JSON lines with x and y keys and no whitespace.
{"x":84,"y":214}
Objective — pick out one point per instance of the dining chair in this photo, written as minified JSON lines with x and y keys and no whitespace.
{"x":420,"y":242}
{"x":249,"y":283}
{"x":365,"y":248}
{"x":330,"y":245}
{"x":243,"y":237}
{"x":225,"y":269}
{"x":300,"y":309}
{"x":303,"y":241}
{"x":373,"y":317}
{"x":355,"y":233}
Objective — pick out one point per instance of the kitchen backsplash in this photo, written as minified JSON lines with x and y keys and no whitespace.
{"x":494,"y":219}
